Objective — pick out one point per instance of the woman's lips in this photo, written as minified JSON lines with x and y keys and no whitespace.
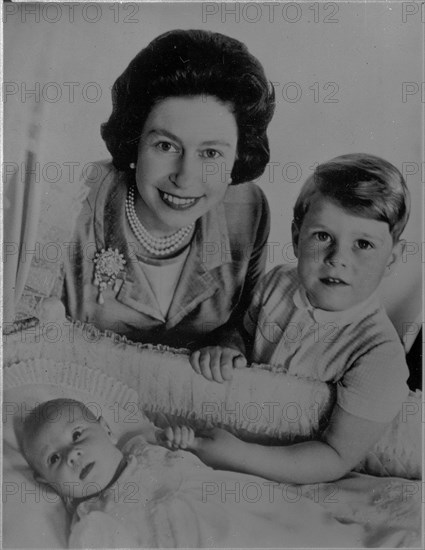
{"x":86,"y":470}
{"x":178,"y":203}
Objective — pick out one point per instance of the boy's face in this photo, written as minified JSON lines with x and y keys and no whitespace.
{"x":74,"y":453}
{"x":342,"y":257}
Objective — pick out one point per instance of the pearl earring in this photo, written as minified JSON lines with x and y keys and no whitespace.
{"x":132,"y":165}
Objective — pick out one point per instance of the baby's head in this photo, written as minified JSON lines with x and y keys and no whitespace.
{"x":69,"y":448}
{"x":346,"y":231}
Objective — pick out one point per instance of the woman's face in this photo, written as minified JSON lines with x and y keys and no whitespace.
{"x":185,"y":157}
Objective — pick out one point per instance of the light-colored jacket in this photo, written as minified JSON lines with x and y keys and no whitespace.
{"x":225,"y":261}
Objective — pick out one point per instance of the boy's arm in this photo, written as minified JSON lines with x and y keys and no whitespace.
{"x":344,"y":444}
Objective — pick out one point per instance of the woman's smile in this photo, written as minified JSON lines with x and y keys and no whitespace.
{"x":186,"y":154}
{"x":178,"y":203}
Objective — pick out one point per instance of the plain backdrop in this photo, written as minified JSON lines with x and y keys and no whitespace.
{"x":348,"y":78}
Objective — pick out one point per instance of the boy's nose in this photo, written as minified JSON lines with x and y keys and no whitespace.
{"x":74,"y":456}
{"x":337,"y":255}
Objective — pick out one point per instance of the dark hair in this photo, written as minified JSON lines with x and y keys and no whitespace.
{"x":363,"y":184}
{"x":193,"y":63}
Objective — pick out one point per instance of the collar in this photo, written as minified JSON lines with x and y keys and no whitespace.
{"x":341,"y":318}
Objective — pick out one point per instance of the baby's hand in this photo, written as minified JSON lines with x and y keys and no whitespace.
{"x":179,"y":437}
{"x":217,"y":362}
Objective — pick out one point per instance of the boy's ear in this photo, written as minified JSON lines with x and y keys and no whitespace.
{"x":107,"y":429}
{"x":295,"y":236}
{"x":395,"y":256}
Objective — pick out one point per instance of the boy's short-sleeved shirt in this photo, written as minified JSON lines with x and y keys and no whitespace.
{"x":358,"y":349}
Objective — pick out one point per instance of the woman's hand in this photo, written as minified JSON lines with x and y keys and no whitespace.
{"x":217,"y":362}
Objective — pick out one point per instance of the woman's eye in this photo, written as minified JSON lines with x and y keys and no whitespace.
{"x":166,"y":147}
{"x":322,"y":236}
{"x":364,"y":245}
{"x":76,"y":435}
{"x":211,"y":154}
{"x":53,"y":459}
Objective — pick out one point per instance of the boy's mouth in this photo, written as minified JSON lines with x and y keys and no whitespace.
{"x":333,"y":281}
{"x":86,"y":470}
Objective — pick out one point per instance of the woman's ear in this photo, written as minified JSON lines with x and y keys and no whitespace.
{"x":295,"y":236}
{"x":395,"y":256}
{"x":107,"y":429}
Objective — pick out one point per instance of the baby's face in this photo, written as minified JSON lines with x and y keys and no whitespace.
{"x":74,"y":453}
{"x":342,"y":257}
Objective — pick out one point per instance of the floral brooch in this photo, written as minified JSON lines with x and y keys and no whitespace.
{"x":108,"y":264}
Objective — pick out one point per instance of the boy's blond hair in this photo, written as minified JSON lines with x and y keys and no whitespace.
{"x":365,"y":185}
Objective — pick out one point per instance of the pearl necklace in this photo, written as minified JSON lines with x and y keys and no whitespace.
{"x":159,"y":246}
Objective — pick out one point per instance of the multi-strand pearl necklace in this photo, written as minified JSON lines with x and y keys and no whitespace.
{"x":159,"y":246}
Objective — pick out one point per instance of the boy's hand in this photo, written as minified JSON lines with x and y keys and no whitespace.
{"x":178,"y":437}
{"x":217,"y":362}
{"x":216,"y":447}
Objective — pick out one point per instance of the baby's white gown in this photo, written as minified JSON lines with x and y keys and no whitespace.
{"x":168,"y":499}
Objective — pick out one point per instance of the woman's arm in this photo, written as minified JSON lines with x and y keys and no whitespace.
{"x":257,"y":258}
{"x":229,"y":344}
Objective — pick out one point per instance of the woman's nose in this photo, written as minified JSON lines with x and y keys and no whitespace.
{"x":74,"y":456}
{"x":185,"y":172}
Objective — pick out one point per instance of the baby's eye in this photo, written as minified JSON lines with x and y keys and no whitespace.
{"x":166,"y":147}
{"x":322,"y":236}
{"x":364,"y":245}
{"x":76,"y":435}
{"x":211,"y":154}
{"x":53,"y":459}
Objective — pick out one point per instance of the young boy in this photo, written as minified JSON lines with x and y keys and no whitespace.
{"x":149,"y":496}
{"x":323,"y":320}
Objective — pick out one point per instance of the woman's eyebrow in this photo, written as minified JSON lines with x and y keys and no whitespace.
{"x":170,"y":135}
{"x":216,"y":142}
{"x":163,"y":132}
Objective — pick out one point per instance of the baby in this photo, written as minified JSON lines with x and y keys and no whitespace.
{"x":147,"y":495}
{"x":323,"y":320}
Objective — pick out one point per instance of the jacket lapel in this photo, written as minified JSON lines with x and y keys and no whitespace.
{"x":199,"y":279}
{"x":111,"y":232}
{"x":198,"y":282}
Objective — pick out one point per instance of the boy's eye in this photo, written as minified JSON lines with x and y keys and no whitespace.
{"x":53,"y":459}
{"x":76,"y":435}
{"x":322,"y":236}
{"x":364,"y":245}
{"x":166,"y":147}
{"x":211,"y":154}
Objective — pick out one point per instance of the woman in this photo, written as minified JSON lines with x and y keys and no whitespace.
{"x":168,"y":247}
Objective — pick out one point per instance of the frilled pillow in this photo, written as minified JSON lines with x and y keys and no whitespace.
{"x":258,"y":404}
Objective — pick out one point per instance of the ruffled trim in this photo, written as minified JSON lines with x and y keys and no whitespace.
{"x":72,"y":376}
{"x":19,"y":325}
{"x":121,"y":339}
